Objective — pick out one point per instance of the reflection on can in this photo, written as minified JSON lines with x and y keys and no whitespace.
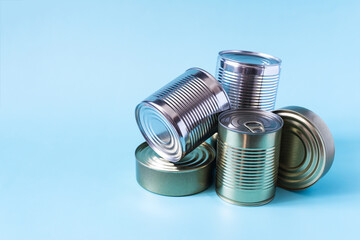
{"x":250,"y":79}
{"x":213,"y":140}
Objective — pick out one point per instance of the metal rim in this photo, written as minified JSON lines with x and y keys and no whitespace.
{"x":255,"y":111}
{"x":245,"y":204}
{"x":250,"y":53}
{"x":151,"y":138}
{"x":201,"y":166}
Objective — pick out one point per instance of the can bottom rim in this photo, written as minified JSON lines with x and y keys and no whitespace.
{"x":174,"y":195}
{"x":247,"y":204}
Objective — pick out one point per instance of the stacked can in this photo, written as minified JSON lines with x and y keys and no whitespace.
{"x":249,"y":139}
{"x":175,"y":121}
{"x":250,"y":79}
{"x":234,"y":114}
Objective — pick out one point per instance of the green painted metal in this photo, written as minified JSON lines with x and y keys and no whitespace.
{"x":247,"y":156}
{"x":190,"y":175}
{"x":307,"y":148}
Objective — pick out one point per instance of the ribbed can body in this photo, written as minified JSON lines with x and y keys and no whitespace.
{"x":247,"y":165}
{"x":183,"y":114}
{"x":250,"y":79}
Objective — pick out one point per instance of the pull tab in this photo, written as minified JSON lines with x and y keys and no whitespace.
{"x":254,"y":126}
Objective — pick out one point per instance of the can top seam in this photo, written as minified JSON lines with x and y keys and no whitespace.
{"x":203,"y":165}
{"x":251,"y":53}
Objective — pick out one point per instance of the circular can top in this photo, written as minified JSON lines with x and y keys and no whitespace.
{"x":159,"y":131}
{"x":249,"y":58}
{"x":250,"y":121}
{"x":307,"y":148}
{"x":190,"y":175}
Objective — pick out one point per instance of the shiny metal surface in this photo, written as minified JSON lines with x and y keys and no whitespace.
{"x":183,"y":114}
{"x":190,"y":175}
{"x":307,"y":148}
{"x":213,"y":141}
{"x":250,"y":79}
{"x":247,"y":156}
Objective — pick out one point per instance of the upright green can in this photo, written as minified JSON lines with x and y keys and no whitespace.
{"x":248,"y":156}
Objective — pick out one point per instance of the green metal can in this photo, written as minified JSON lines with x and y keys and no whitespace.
{"x":248,"y":156}
{"x":190,"y":175}
{"x":307,"y":148}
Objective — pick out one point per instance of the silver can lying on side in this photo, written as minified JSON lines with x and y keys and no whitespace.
{"x":250,"y":79}
{"x":248,"y":156}
{"x":180,"y":116}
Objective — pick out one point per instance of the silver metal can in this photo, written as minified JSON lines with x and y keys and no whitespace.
{"x":180,"y":116}
{"x":250,"y":79}
{"x":248,"y":156}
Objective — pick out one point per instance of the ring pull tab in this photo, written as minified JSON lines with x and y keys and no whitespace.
{"x":254,"y":126}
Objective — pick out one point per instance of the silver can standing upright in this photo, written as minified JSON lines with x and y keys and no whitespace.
{"x":180,"y":116}
{"x":248,"y":156}
{"x":250,"y":79}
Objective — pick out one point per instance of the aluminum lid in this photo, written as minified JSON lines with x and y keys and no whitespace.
{"x":250,"y":121}
{"x":190,"y":175}
{"x":307,"y":148}
{"x":249,"y":58}
{"x":249,"y":63}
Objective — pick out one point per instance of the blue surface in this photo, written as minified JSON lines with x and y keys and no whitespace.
{"x":72,"y":73}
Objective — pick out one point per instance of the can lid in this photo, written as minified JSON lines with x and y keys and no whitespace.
{"x":249,"y":58}
{"x":159,"y":130}
{"x":250,"y":121}
{"x":307,"y":148}
{"x":190,"y":175}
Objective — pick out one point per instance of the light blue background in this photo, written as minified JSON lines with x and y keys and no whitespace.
{"x":72,"y":73}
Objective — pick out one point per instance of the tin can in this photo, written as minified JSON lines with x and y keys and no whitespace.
{"x":190,"y":175}
{"x":250,"y":79}
{"x":180,"y":116}
{"x":248,"y":156}
{"x":307,"y":148}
